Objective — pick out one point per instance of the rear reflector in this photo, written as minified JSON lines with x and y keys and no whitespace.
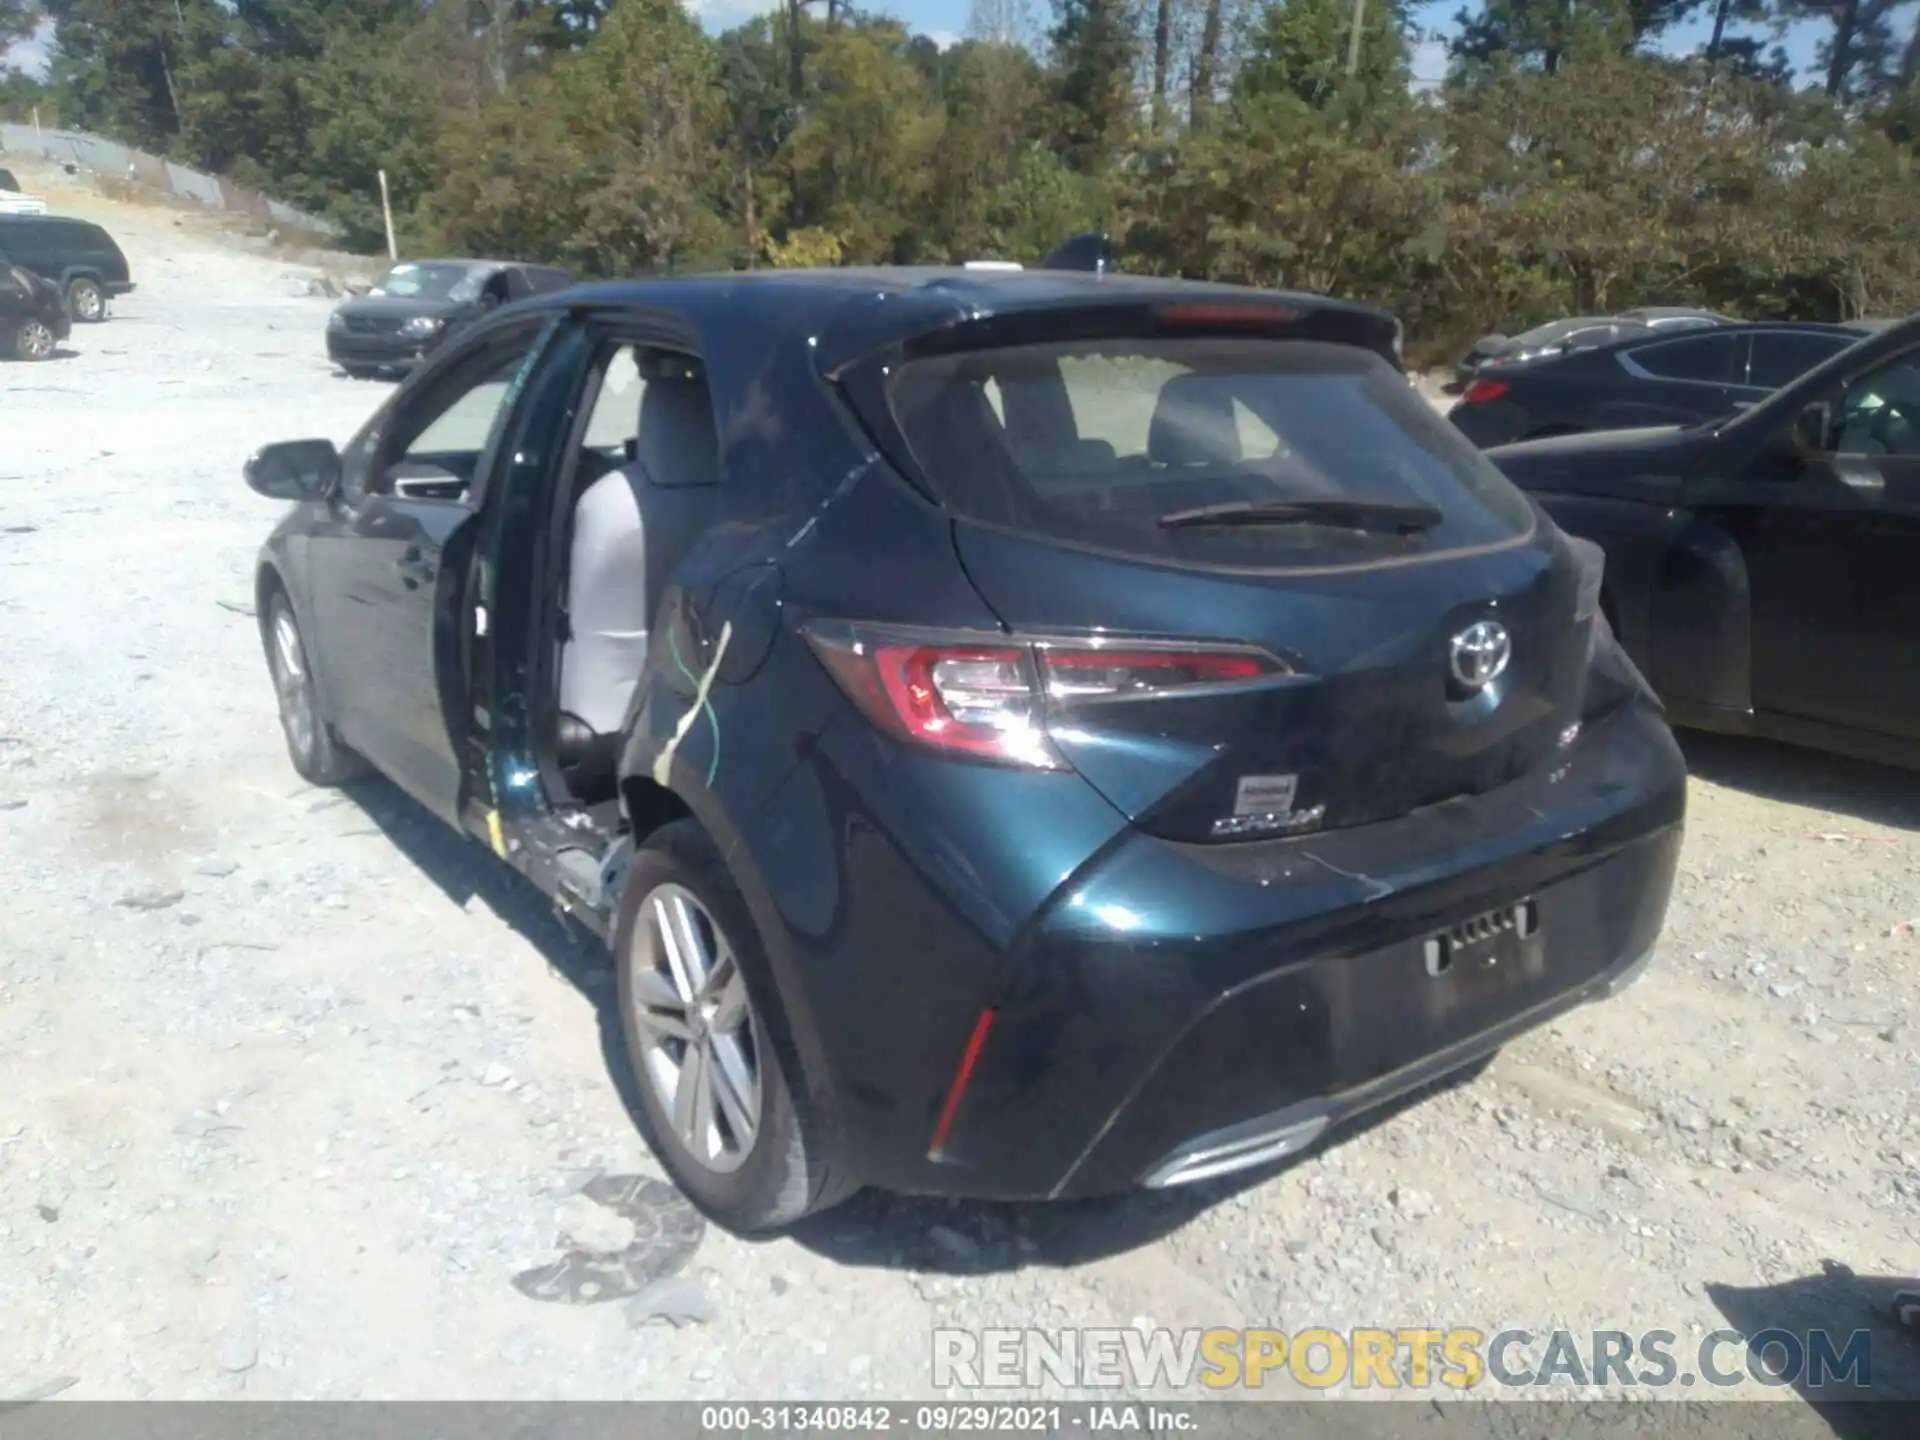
{"x":1481,"y":391}
{"x":956,"y":1091}
{"x":986,"y":696}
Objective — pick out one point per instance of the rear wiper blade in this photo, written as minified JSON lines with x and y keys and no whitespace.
{"x":1378,"y":515}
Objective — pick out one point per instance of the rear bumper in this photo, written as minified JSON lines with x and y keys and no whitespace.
{"x":1181,"y":1010}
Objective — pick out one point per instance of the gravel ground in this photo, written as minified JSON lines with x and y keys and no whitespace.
{"x":300,"y":1087}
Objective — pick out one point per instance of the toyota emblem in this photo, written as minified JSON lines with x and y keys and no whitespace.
{"x":1480,"y":654}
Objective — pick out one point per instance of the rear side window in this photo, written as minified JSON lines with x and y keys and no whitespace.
{"x":1780,"y":356}
{"x":1698,"y":357}
{"x":1098,"y":442}
{"x":1592,"y":336}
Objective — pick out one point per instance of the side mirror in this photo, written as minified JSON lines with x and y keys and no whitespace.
{"x":1812,"y":428}
{"x":294,"y":470}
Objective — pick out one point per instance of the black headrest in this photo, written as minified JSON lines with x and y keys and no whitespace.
{"x":677,"y":443}
{"x":1194,"y":424}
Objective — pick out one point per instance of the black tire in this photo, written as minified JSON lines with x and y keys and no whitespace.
{"x":316,"y":751}
{"x":787,"y":1171}
{"x":32,"y":340}
{"x":86,"y":301}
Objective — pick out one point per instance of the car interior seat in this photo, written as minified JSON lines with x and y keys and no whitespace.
{"x":1194,"y":424}
{"x":630,"y":528}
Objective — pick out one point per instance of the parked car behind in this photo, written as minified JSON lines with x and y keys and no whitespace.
{"x":1763,"y":569}
{"x":1663,"y":380}
{"x":15,"y":201}
{"x":1581,"y":332}
{"x":416,"y":305}
{"x":1024,"y":735}
{"x":1669,"y":319}
{"x":77,"y":255}
{"x":33,"y":314}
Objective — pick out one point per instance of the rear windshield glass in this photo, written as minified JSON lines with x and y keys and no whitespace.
{"x":1099,"y":442}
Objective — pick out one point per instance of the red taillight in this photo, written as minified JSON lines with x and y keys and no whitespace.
{"x":971,"y":698}
{"x":987,"y":696}
{"x":1481,"y":391}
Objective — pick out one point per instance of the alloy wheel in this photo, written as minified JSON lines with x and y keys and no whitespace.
{"x":291,"y":683}
{"x":34,"y":341}
{"x":88,"y":303}
{"x":700,"y":1042}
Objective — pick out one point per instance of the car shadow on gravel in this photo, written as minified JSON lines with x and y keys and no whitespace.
{"x":963,"y":1237}
{"x":465,"y":871}
{"x":1787,"y":1325}
{"x":1876,"y":794}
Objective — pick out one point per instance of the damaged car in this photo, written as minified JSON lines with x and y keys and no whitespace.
{"x":1022,"y":734}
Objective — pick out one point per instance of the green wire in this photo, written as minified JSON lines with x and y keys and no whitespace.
{"x":713,"y":765}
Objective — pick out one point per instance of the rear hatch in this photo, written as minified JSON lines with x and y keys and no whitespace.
{"x":1267,"y":588}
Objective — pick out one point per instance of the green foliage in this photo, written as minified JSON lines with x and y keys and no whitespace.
{"x":608,"y":163}
{"x":860,"y":162}
{"x":1564,"y":169}
{"x":21,"y":95}
{"x":1300,"y":49}
{"x":1095,"y":49}
{"x":18,"y":19}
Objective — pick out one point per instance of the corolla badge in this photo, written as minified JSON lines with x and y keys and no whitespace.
{"x":1480,"y":654}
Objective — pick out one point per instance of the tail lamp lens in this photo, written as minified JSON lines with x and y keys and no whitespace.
{"x":1481,"y":391}
{"x":987,"y":697}
{"x":1122,"y":674}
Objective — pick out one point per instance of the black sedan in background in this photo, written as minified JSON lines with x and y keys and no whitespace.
{"x":1579,"y":332}
{"x":1652,"y":380}
{"x":1764,"y":570}
{"x":416,"y":304}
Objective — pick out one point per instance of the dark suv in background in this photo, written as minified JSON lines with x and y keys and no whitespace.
{"x":76,"y":255}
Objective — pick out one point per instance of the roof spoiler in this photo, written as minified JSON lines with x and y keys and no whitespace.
{"x":1092,"y":252}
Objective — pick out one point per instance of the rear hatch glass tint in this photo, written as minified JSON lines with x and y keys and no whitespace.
{"x":1112,"y":444}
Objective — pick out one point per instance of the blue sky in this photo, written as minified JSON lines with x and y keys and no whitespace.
{"x":947,"y":19}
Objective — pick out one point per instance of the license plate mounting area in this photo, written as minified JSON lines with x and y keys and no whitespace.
{"x":1482,"y":940}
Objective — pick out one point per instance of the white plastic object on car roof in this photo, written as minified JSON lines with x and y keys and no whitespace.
{"x":994,"y":265}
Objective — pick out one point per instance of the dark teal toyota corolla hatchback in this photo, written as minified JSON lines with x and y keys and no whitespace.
{"x":1022,"y":734}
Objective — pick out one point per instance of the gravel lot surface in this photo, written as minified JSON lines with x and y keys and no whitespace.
{"x":300,"y":1088}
